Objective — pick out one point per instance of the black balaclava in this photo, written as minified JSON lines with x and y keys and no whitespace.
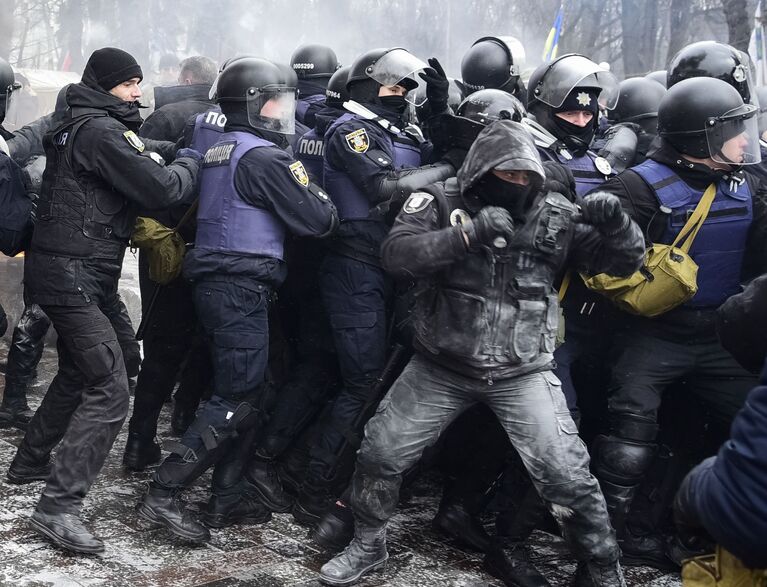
{"x":577,"y":139}
{"x":366,"y":92}
{"x":498,"y":192}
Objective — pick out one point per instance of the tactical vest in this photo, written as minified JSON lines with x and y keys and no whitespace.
{"x":721,"y":242}
{"x":78,"y":216}
{"x":584,"y":170}
{"x":350,"y":201}
{"x":501,"y":309}
{"x":225,"y":222}
{"x":303,"y":104}
{"x":310,"y":151}
{"x":208,"y":128}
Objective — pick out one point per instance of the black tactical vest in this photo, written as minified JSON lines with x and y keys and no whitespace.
{"x":496,"y":310}
{"x":78,"y":216}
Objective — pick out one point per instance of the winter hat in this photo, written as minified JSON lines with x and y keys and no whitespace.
{"x":110,"y":67}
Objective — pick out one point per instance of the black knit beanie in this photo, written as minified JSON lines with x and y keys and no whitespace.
{"x":110,"y":67}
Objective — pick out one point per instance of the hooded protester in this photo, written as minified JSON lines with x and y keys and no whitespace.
{"x":486,"y":248}
{"x":98,"y":174}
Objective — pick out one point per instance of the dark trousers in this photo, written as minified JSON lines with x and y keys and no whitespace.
{"x":356,"y":296}
{"x":26,"y":348}
{"x":85,"y":405}
{"x":234,"y":318}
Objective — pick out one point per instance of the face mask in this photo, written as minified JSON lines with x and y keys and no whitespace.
{"x":396,"y":104}
{"x":576,"y":138}
{"x":497,"y":192}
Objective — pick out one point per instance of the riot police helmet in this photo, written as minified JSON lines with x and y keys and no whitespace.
{"x":714,"y":59}
{"x":8,"y":85}
{"x":224,"y":64}
{"x":493,"y":62}
{"x":638,"y":102}
{"x":337,"y":93}
{"x":385,"y":67}
{"x":314,"y":61}
{"x":260,"y":89}
{"x":475,"y":112}
{"x":706,"y":117}
{"x":658,"y":76}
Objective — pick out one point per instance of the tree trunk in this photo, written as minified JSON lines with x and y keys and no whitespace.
{"x":738,"y":23}
{"x":679,"y":26}
{"x":639,"y":19}
{"x":6,"y":27}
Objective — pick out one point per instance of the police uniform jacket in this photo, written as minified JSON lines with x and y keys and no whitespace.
{"x":98,"y":175}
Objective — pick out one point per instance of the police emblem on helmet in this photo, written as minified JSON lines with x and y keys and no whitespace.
{"x":358,"y":140}
{"x":299,"y":173}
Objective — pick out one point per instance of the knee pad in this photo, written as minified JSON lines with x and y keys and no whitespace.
{"x":622,"y":461}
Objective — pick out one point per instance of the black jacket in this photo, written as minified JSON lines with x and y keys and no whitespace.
{"x":97,"y":177}
{"x":488,"y":312}
{"x":167,"y":123}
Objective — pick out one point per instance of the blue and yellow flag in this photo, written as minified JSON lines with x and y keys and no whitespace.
{"x":552,"y":42}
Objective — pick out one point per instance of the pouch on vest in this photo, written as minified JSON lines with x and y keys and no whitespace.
{"x":668,"y":277}
{"x":164,"y":246}
{"x":721,"y":569}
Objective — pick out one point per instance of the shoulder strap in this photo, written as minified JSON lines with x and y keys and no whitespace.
{"x":690,"y":230}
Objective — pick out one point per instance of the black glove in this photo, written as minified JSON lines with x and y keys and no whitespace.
{"x":559,"y":179}
{"x":492,"y":227}
{"x":604,"y":211}
{"x":437,"y":87}
{"x":187,"y":152}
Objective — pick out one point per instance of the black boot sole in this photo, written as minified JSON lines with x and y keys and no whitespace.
{"x":134,"y":463}
{"x":271,"y":504}
{"x":17,"y":479}
{"x":379,"y":565}
{"x":219,"y":521}
{"x":150,"y":515}
{"x":63,"y":543}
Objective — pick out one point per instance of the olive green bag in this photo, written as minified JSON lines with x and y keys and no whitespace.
{"x":721,"y":569}
{"x":165,"y":248}
{"x":668,"y":277}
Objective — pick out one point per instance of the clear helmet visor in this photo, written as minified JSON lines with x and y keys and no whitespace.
{"x":734,"y":138}
{"x":417,"y":96}
{"x":575,"y":71}
{"x":396,"y":66}
{"x":272,"y":109}
{"x":12,"y":106}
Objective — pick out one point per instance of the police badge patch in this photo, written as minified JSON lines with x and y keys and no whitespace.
{"x":134,"y":141}
{"x":358,"y":140}
{"x":299,"y":173}
{"x":417,"y":202}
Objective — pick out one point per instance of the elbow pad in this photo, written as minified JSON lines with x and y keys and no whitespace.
{"x":396,"y":186}
{"x":621,"y":147}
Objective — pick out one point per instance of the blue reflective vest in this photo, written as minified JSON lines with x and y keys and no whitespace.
{"x":721,"y":242}
{"x":208,"y":128}
{"x":310,"y":151}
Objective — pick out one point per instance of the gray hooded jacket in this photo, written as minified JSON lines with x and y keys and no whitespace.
{"x":486,"y":312}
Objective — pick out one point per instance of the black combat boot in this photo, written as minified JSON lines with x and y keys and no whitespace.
{"x":140,"y":452}
{"x":23,"y":471}
{"x":164,"y":506}
{"x":264,"y":481}
{"x":455,"y":521}
{"x":336,"y":528}
{"x":14,"y":410}
{"x":66,"y":531}
{"x":366,"y":553}
{"x":592,"y":574}
{"x":313,"y":502}
{"x":514,"y":568}
{"x":222,"y":512}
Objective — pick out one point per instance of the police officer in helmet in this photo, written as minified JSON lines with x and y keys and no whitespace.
{"x":707,"y":134}
{"x":370,"y":166}
{"x":494,"y":63}
{"x":252,"y":193}
{"x":314,"y":65}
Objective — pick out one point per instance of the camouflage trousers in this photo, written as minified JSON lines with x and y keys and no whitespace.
{"x":426,"y":398}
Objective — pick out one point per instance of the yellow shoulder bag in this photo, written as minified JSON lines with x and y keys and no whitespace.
{"x":668,"y":277}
